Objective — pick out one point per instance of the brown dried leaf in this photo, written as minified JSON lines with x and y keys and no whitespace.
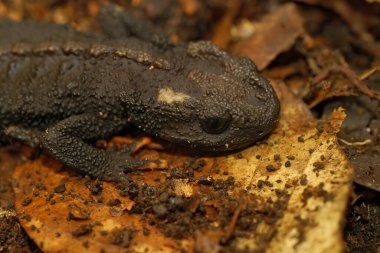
{"x":291,"y":192}
{"x":50,"y":218}
{"x":221,"y":35}
{"x":359,"y":21}
{"x":276,"y":33}
{"x":189,"y":7}
{"x":339,"y":87}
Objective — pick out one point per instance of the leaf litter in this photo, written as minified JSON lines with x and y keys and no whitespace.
{"x":240,"y":201}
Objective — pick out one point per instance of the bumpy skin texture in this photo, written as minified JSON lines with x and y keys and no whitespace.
{"x":61,"y":89}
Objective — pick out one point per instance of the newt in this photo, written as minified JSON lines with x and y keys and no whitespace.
{"x":61,"y":89}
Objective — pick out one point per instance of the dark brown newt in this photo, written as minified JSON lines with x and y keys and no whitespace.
{"x":60,"y":89}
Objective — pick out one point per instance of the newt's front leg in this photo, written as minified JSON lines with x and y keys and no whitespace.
{"x":65,"y":141}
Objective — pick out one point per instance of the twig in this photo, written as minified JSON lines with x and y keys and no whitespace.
{"x":356,"y":143}
{"x":231,"y":227}
{"x":350,"y":75}
{"x":369,"y":73}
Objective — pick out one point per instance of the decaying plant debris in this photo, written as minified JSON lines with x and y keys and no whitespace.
{"x":288,"y":193}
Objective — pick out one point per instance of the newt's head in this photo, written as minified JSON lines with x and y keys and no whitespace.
{"x":216,"y":102}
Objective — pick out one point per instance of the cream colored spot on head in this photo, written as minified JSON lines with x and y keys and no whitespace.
{"x":168,"y":96}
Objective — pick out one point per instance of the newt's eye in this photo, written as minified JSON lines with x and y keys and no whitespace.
{"x":216,"y":124}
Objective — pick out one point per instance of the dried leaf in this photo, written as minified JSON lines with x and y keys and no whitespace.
{"x":359,"y":22}
{"x":276,"y":33}
{"x":339,"y":87}
{"x":221,"y":34}
{"x":189,"y":7}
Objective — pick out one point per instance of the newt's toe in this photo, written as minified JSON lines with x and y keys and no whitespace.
{"x":139,"y":144}
{"x":156,"y":164}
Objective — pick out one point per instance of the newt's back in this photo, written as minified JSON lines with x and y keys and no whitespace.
{"x":29,"y":82}
{"x":49,"y":72}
